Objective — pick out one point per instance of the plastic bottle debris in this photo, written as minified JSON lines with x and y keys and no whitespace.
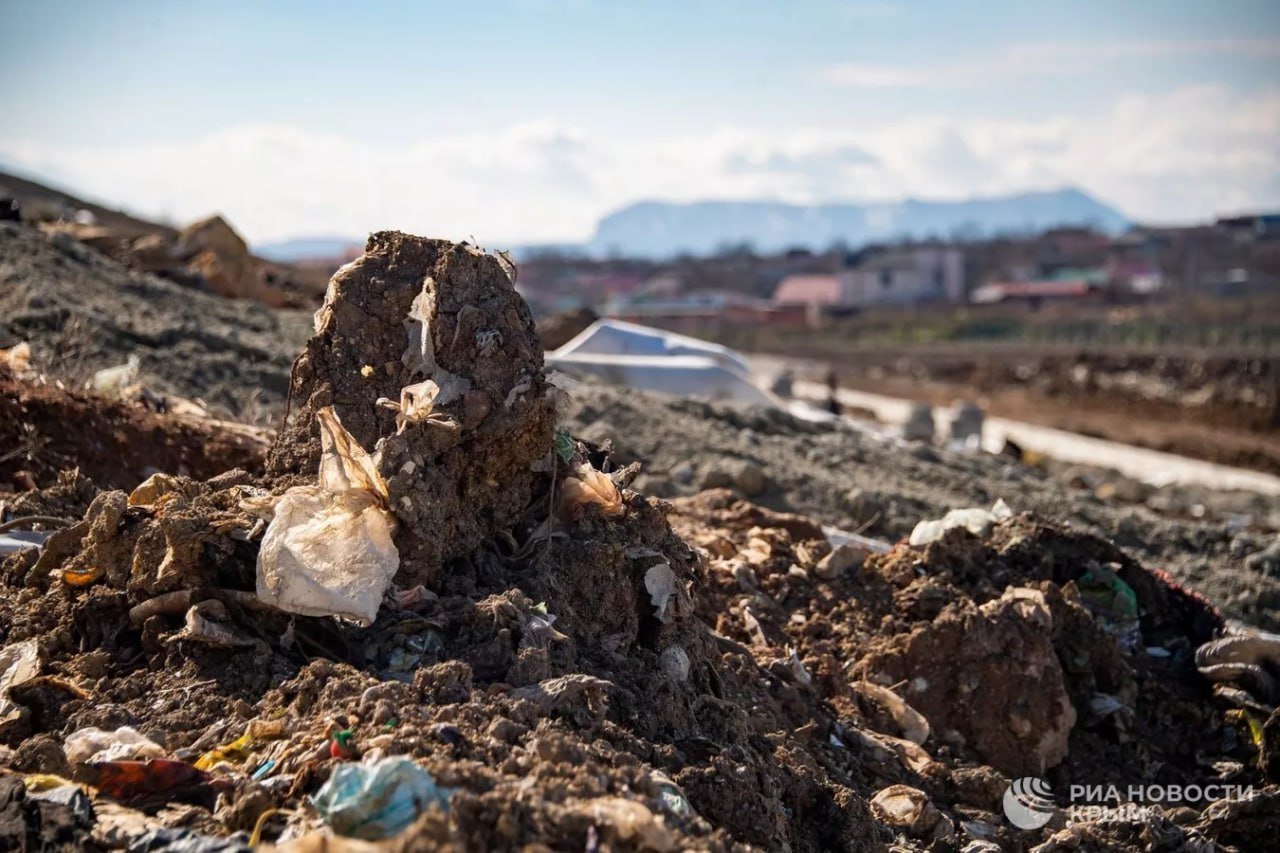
{"x":379,"y":800}
{"x":159,"y":779}
{"x":92,"y":744}
{"x":328,"y":549}
{"x":974,"y":519}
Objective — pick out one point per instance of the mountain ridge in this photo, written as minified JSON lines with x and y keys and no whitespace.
{"x":654,"y":228}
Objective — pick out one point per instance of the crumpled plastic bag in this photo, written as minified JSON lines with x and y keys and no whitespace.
{"x":974,"y":519}
{"x":589,"y":487}
{"x":19,"y":663}
{"x":378,"y":800}
{"x":92,"y":744}
{"x":328,"y":550}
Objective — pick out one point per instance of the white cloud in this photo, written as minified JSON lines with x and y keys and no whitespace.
{"x":1037,"y":58}
{"x":1179,"y":156}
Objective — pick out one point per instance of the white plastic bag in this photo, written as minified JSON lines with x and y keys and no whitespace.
{"x":92,"y":744}
{"x":328,"y":550}
{"x":975,"y":519}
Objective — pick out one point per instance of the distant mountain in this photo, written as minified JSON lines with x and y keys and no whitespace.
{"x":307,"y":249}
{"x":661,"y":229}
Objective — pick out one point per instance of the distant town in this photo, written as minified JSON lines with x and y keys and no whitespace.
{"x":1237,"y":256}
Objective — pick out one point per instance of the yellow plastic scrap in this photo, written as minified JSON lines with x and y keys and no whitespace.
{"x":38,"y":782}
{"x":236,"y":752}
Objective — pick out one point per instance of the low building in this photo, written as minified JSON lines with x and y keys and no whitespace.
{"x":903,"y":277}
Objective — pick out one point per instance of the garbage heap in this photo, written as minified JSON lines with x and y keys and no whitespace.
{"x":438,"y":620}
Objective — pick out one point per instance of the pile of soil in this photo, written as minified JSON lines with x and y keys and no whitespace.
{"x":578,"y":665}
{"x":114,"y":443}
{"x":844,"y":477}
{"x":82,"y":312}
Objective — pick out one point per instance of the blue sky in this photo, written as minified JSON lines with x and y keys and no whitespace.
{"x":526,"y":120}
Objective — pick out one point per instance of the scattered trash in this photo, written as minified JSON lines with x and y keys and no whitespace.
{"x":379,"y":800}
{"x":588,"y":487}
{"x":661,"y":583}
{"x":238,"y":750}
{"x":110,"y":381}
{"x":16,"y":358}
{"x":92,"y":744}
{"x":974,"y":519}
{"x":632,"y":823}
{"x":158,"y":779}
{"x":910,"y":810}
{"x":328,"y":549}
{"x":911,"y":722}
{"x":19,"y":663}
{"x":1112,"y":601}
{"x":82,"y":577}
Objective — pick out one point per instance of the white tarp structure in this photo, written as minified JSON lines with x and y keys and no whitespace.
{"x":653,"y":360}
{"x":616,"y":337}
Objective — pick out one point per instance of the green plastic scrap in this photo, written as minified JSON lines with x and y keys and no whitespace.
{"x":379,"y":800}
{"x":564,"y":446}
{"x":1113,"y":602}
{"x":1108,"y":595}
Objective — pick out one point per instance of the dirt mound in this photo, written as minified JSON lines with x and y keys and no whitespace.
{"x":82,"y":312}
{"x":407,"y":309}
{"x":844,"y":477}
{"x":561,"y":661}
{"x":45,"y":430}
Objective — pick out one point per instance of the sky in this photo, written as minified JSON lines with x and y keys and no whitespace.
{"x":525,"y":121}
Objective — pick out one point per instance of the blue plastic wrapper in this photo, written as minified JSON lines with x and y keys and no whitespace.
{"x":379,"y":800}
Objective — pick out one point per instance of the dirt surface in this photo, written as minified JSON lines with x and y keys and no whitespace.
{"x":82,"y":312}
{"x":1224,"y":409}
{"x":45,"y":430}
{"x":571,"y":661}
{"x":883,"y":487}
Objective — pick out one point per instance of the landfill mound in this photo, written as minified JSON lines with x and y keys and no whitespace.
{"x":82,"y":312}
{"x":857,"y":481}
{"x":533,"y":654}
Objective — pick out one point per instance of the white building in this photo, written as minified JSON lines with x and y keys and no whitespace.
{"x":907,"y":276}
